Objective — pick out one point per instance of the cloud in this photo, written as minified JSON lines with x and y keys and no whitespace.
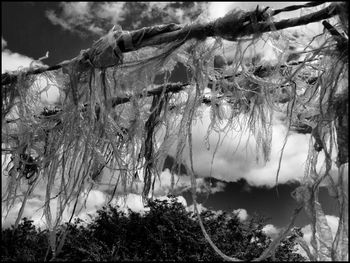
{"x":95,"y":200}
{"x":34,"y":207}
{"x":200,"y":208}
{"x":292,"y":165}
{"x":135,"y":203}
{"x":112,"y":11}
{"x":128,"y":197}
{"x":75,"y":17}
{"x":58,"y":21}
{"x":183,"y":183}
{"x":49,"y":89}
{"x":241,"y":213}
{"x":87,"y":18}
{"x":332,"y":221}
{"x":3,"y":43}
{"x":162,"y":185}
{"x":11,"y":61}
{"x":86,"y":211}
{"x":131,"y":201}
{"x":332,"y":182}
{"x":265,"y":46}
{"x":31,"y":211}
{"x":35,"y":204}
{"x":271,"y":230}
{"x":235,"y":158}
{"x":219,"y":9}
{"x":97,"y":18}
{"x":14,"y":61}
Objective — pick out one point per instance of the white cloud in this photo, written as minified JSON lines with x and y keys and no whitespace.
{"x":271,"y":230}
{"x":84,"y":17}
{"x":79,"y":9}
{"x":183,"y":183}
{"x":332,"y":221}
{"x":34,"y":207}
{"x":241,"y":213}
{"x":30,"y":211}
{"x":11,"y":61}
{"x":85,"y":211}
{"x":219,"y":9}
{"x":293,"y":162}
{"x":58,"y":21}
{"x":112,"y":11}
{"x":14,"y":61}
{"x":131,"y":201}
{"x":162,"y":185}
{"x":49,"y":90}
{"x":87,"y":17}
{"x":95,"y":200}
{"x":74,"y":15}
{"x":135,"y":203}
{"x":235,"y":158}
{"x":95,"y":29}
{"x":333,"y":186}
{"x":264,"y":45}
{"x":200,"y":208}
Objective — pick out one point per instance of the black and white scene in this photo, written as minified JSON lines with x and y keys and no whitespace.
{"x":174,"y":131}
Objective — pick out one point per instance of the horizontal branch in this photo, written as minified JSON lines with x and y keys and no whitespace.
{"x":297,"y":7}
{"x":168,"y":88}
{"x":173,"y":88}
{"x":231,"y":27}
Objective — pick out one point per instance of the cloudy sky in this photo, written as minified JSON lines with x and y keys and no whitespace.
{"x":30,"y":29}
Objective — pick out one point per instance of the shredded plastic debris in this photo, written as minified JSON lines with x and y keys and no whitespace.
{"x":111,"y":113}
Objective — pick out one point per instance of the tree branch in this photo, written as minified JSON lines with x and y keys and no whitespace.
{"x":229,"y":25}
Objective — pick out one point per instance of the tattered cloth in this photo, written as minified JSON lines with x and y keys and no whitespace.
{"x":342,"y":128}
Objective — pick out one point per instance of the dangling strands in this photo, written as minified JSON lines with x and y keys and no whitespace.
{"x":113,"y":117}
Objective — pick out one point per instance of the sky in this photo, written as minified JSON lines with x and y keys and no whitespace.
{"x":30,"y":29}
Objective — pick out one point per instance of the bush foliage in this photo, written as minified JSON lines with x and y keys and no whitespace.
{"x":166,"y":232}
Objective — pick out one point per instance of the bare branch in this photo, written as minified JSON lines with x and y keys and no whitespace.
{"x":222,"y":27}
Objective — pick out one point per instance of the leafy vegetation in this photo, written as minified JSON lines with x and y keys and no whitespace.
{"x":166,"y":232}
